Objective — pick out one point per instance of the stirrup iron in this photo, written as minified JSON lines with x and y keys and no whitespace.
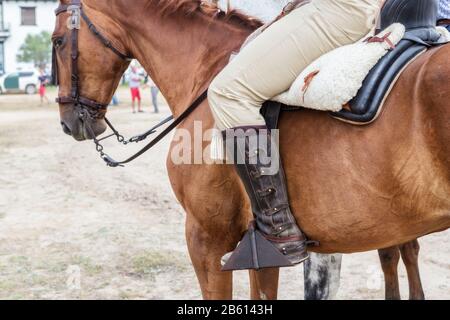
{"x":255,"y":252}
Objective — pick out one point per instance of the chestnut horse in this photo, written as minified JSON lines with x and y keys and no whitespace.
{"x":352,"y":188}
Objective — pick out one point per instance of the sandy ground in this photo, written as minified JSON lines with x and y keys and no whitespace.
{"x":71,"y":228}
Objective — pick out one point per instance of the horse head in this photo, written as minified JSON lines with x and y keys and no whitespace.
{"x":89,"y":59}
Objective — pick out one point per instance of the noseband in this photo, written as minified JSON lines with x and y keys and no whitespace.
{"x":88,"y":108}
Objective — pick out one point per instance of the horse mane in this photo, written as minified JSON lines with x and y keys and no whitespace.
{"x":191,"y":7}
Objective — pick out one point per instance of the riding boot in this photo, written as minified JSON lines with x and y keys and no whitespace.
{"x":273,"y":238}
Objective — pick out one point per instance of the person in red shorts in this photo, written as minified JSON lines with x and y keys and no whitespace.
{"x":43,"y":81}
{"x":135,"y":83}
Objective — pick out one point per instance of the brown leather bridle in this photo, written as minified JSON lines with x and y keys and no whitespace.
{"x":88,"y":108}
{"x":92,"y":107}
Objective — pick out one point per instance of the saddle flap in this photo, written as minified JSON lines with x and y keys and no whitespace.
{"x":367,"y":106}
{"x":360,"y":105}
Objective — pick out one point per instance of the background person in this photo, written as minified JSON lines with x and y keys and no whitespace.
{"x":115,"y":100}
{"x":148,"y":82}
{"x":43,"y":81}
{"x":134,"y":84}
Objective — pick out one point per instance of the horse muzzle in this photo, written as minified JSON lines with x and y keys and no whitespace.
{"x":76,"y":130}
{"x":83,"y":128}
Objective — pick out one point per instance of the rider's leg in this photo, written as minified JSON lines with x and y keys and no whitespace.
{"x":266,"y":67}
{"x":257,"y":162}
{"x":269,"y":64}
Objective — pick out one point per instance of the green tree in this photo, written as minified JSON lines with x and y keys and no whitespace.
{"x":36,"y":49}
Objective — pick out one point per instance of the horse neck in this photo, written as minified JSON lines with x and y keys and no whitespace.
{"x":182,"y":54}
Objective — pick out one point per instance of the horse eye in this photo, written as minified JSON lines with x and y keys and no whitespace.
{"x":57,"y":42}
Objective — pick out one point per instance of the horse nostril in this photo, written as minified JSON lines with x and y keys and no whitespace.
{"x":65,"y":128}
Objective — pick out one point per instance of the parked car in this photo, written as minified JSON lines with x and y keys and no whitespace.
{"x":20,"y":82}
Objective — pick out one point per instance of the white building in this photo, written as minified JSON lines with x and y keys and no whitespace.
{"x":17,"y":20}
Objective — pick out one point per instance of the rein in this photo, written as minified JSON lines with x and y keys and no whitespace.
{"x":113,"y":163}
{"x":91,"y":109}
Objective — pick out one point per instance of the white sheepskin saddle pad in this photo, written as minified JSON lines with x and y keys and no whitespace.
{"x":445,"y":34}
{"x":334,"y":79}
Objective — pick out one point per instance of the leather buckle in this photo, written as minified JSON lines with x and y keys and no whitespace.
{"x":255,"y":174}
{"x":272,"y":211}
{"x":74,"y":21}
{"x":267,"y":192}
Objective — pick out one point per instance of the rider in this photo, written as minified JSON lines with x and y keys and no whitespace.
{"x":444,"y":14}
{"x":266,"y":67}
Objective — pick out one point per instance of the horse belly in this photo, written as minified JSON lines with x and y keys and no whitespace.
{"x":353,"y":192}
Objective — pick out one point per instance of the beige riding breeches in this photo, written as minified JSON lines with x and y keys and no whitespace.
{"x":268,"y":65}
